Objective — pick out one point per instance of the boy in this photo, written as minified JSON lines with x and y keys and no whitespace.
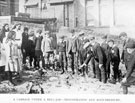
{"x":24,"y":44}
{"x":100,"y":60}
{"x":123,"y":36}
{"x":115,"y":61}
{"x":38,"y":52}
{"x":129,"y":79}
{"x":31,"y":48}
{"x":107,"y":51}
{"x":62,"y":54}
{"x":47,"y":48}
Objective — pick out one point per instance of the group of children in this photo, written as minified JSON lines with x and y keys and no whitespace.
{"x":104,"y":56}
{"x":75,"y":52}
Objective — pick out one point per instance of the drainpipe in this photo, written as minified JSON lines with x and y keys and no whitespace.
{"x":54,"y":12}
{"x":99,"y":10}
{"x":85,"y":12}
{"x":68,"y":15}
{"x":64,"y":14}
{"x":114,"y":13}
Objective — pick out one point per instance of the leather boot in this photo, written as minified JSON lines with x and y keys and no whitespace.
{"x":125,"y":90}
{"x":10,"y":78}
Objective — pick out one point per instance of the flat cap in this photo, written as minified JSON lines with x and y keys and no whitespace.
{"x":104,"y":37}
{"x":130,"y":45}
{"x":62,"y":37}
{"x":39,"y":31}
{"x":87,"y":44}
{"x":92,"y":38}
{"x":31,"y":33}
{"x":72,"y":30}
{"x":122,"y":34}
{"x":25,"y":28}
{"x":46,"y":32}
{"x":86,"y":40}
{"x":111,"y":40}
{"x":81,"y":33}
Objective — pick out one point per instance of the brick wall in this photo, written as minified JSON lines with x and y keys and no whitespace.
{"x":21,"y":6}
{"x":80,"y":12}
{"x":5,"y":8}
{"x":59,"y":15}
{"x":9,"y":7}
{"x":16,"y":3}
{"x":71,"y":16}
{"x":76,"y":10}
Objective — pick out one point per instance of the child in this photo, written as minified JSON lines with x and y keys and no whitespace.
{"x":38,"y":52}
{"x":115,"y":61}
{"x":11,"y":56}
{"x":98,"y":53}
{"x":47,"y":48}
{"x":129,"y":79}
{"x":62,"y":54}
{"x":2,"y":61}
{"x":31,"y":48}
{"x":24,"y":44}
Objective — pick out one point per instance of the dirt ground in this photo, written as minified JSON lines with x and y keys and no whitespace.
{"x":52,"y":82}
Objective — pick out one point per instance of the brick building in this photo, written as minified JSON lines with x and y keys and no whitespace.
{"x":115,"y":15}
{"x":8,"y":7}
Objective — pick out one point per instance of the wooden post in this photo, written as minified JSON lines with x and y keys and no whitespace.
{"x":0,"y":10}
{"x":68,"y":15}
{"x":114,"y":22}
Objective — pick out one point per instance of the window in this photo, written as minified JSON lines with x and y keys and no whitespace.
{"x":3,"y":10}
{"x":90,"y":6}
{"x":26,"y":0}
{"x":3,"y":0}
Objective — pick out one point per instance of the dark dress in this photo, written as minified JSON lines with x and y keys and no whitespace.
{"x":24,"y":46}
{"x":31,"y":51}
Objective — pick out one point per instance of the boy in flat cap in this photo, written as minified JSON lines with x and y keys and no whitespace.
{"x":123,"y":36}
{"x":71,"y":50}
{"x":38,"y":52}
{"x":100,"y":60}
{"x":129,"y":78}
{"x":82,"y":52}
{"x":61,"y":48}
{"x":31,"y":48}
{"x":87,"y":46}
{"x":47,"y":48}
{"x":115,"y":61}
{"x":107,"y":51}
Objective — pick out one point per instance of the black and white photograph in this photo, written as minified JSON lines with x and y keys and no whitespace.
{"x":67,"y":47}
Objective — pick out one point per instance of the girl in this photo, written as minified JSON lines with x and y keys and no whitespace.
{"x":3,"y":35}
{"x":17,"y":44}
{"x":10,"y":50}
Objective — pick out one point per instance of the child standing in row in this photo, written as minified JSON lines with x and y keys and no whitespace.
{"x":61,"y":46}
{"x":38,"y":51}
